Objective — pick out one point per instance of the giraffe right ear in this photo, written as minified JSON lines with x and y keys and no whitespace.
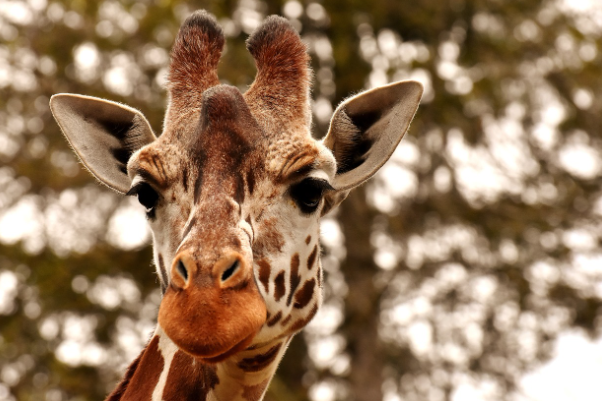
{"x":103,"y":134}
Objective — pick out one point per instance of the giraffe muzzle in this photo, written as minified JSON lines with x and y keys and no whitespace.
{"x":229,"y":271}
{"x":212,"y":311}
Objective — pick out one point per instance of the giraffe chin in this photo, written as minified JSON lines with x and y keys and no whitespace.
{"x":212,"y":324}
{"x":234,"y":350}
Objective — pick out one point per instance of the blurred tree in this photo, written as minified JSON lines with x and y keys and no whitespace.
{"x":453,"y":270}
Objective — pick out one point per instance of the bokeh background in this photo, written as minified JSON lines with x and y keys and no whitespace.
{"x":468,"y":269}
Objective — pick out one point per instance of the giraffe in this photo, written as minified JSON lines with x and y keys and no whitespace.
{"x":233,"y":189}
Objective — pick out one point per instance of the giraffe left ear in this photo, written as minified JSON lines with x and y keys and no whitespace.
{"x":103,"y":134}
{"x":364,"y":132}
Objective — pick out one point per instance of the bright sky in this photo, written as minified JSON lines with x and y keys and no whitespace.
{"x":573,"y":374}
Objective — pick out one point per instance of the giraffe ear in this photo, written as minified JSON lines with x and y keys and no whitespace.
{"x":103,"y":134}
{"x":364,"y":132}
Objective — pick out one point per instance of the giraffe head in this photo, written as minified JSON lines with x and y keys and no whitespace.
{"x":235,"y":185}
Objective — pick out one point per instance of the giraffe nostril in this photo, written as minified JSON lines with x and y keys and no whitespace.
{"x":182,"y":270}
{"x":230,"y":271}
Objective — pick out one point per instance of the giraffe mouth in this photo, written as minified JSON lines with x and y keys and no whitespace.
{"x":241,"y":346}
{"x":210,"y":323}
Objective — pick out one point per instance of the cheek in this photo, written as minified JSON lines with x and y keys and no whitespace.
{"x":163,"y":256}
{"x":269,"y":238}
{"x":282,"y":228}
{"x":293,"y":221}
{"x":285,"y":255}
{"x":166,"y":231}
{"x":170,"y":225}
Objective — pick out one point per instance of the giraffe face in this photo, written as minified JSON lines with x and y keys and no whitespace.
{"x":234,"y":213}
{"x":235,"y":185}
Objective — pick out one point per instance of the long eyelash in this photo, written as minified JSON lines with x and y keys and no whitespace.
{"x":135,"y":189}
{"x":321,"y":184}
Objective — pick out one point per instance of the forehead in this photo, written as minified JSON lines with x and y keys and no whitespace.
{"x":227,"y":152}
{"x":224,"y":137}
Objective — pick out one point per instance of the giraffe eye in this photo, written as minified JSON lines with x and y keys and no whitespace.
{"x":147,"y":197}
{"x":308,"y":193}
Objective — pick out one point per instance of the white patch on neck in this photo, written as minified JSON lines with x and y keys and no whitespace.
{"x":233,"y":379}
{"x":168,"y":349}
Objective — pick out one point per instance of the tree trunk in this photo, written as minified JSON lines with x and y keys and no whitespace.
{"x":363,"y":299}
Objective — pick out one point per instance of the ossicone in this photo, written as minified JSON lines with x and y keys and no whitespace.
{"x":283,"y":75}
{"x":194,"y":58}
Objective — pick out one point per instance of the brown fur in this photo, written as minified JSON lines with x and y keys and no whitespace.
{"x":264,"y":273}
{"x":312,"y":258}
{"x":294,"y":277}
{"x":251,"y":181}
{"x":301,"y":323}
{"x":271,"y":241}
{"x":279,"y":97}
{"x":117,"y":393}
{"x":279,"y":286}
{"x":286,"y":320}
{"x":298,"y":162}
{"x":149,"y":166}
{"x":275,"y":319}
{"x":141,"y":384}
{"x":261,"y":361}
{"x":185,"y":178}
{"x":305,"y":294}
{"x":193,"y":67}
{"x":189,"y":379}
{"x":254,"y":393}
{"x":164,"y":279}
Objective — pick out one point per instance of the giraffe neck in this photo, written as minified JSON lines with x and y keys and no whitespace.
{"x":162,"y":372}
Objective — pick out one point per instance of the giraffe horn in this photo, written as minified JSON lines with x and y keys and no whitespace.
{"x":283,"y":75}
{"x":194,"y":58}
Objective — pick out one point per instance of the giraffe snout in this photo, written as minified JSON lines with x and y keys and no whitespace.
{"x":183,"y":269}
{"x":212,"y":309}
{"x":231,"y":270}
